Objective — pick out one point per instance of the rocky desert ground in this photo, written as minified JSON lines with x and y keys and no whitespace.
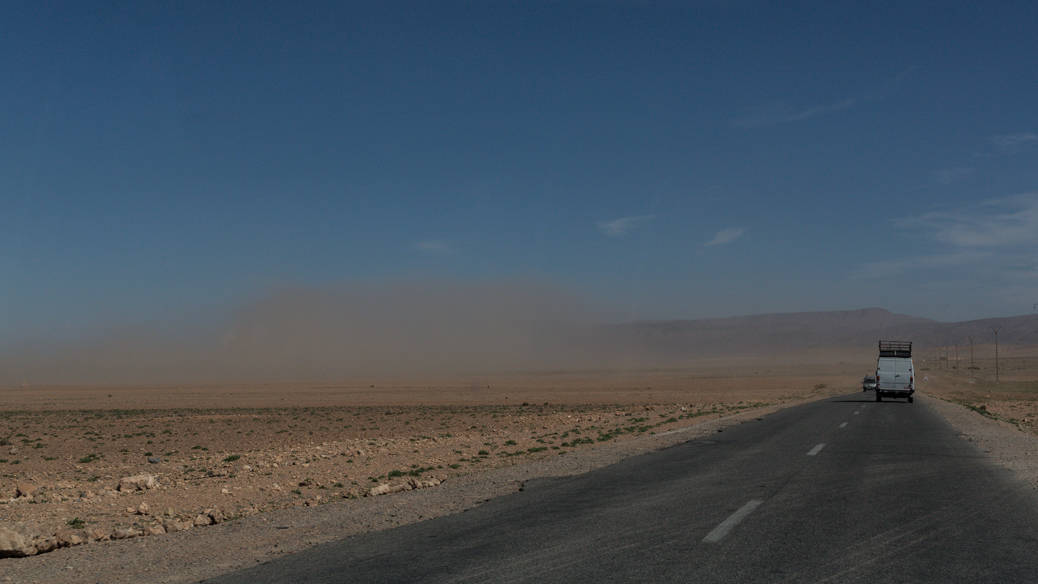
{"x":87,"y":464}
{"x":83,"y":466}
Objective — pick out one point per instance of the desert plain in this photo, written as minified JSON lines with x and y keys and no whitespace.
{"x":87,"y":464}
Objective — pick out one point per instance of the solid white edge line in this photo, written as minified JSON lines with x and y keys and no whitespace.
{"x":818,"y":448}
{"x":734,"y":519}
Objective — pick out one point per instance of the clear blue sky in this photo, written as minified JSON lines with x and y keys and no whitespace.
{"x":676,"y":160}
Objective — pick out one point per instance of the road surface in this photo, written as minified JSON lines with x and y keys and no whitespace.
{"x":839,"y":490}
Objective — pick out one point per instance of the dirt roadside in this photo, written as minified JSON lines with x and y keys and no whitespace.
{"x":1005,"y":443}
{"x":194,"y":555}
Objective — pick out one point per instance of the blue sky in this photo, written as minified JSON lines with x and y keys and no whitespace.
{"x":669,"y":159}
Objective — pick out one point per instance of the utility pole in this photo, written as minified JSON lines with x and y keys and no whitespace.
{"x":956,"y":356}
{"x":971,"y":352}
{"x":995,"y":330}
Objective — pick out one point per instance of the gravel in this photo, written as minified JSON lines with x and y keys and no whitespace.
{"x":190,"y":556}
{"x":1004,"y":443}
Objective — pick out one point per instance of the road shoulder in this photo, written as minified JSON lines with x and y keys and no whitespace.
{"x":1003,"y":443}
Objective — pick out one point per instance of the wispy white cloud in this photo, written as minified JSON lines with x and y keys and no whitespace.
{"x":1003,"y":222}
{"x":995,"y":238}
{"x":1011,"y":143}
{"x":896,"y":267}
{"x":1007,"y":144}
{"x":433,"y":247}
{"x":779,"y":113}
{"x":726,"y":236}
{"x":947,"y":176}
{"x":623,"y":225}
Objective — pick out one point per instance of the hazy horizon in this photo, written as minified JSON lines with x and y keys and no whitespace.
{"x":430,"y":327}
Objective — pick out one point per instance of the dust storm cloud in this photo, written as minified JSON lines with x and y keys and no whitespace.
{"x":323,"y":333}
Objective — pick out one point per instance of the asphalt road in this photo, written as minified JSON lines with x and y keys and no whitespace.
{"x":840,"y":490}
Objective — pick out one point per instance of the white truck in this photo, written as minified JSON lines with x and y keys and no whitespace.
{"x":895,"y":373}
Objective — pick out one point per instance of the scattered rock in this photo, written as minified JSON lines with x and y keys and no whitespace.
{"x":382,"y":489}
{"x":45,"y":544}
{"x":143,"y":509}
{"x":68,"y":538}
{"x":385,"y":488}
{"x":155,"y":529}
{"x":215,"y":515}
{"x":14,"y":544}
{"x":124,"y":532}
{"x":425,"y":483}
{"x":201,"y":520}
{"x":24,"y":490}
{"x":154,"y":460}
{"x":173,"y":525}
{"x":141,"y":482}
{"x":97,"y":534}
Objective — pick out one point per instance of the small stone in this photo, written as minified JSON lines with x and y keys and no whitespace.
{"x":426,"y":483}
{"x":216,"y":515}
{"x":155,"y":529}
{"x":45,"y":544}
{"x":154,"y":460}
{"x":225,"y":491}
{"x":201,"y":520}
{"x":68,"y":538}
{"x":170,"y":512}
{"x":124,"y":532}
{"x":385,"y":488}
{"x":97,"y":534}
{"x":143,"y":509}
{"x":382,"y":489}
{"x":24,"y":490}
{"x":139,"y":482}
{"x":173,"y":525}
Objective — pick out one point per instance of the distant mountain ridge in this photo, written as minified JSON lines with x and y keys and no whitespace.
{"x":807,"y":330}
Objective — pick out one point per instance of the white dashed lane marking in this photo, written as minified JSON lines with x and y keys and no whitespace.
{"x":843,"y":425}
{"x":818,"y":448}
{"x":734,"y":519}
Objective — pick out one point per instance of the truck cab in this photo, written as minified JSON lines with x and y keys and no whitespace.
{"x":895,"y":372}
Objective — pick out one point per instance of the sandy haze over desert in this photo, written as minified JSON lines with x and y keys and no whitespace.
{"x":333,"y":332}
{"x":416,"y":329}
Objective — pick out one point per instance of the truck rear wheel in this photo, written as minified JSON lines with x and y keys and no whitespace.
{"x":909,"y":399}
{"x":878,"y":396}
